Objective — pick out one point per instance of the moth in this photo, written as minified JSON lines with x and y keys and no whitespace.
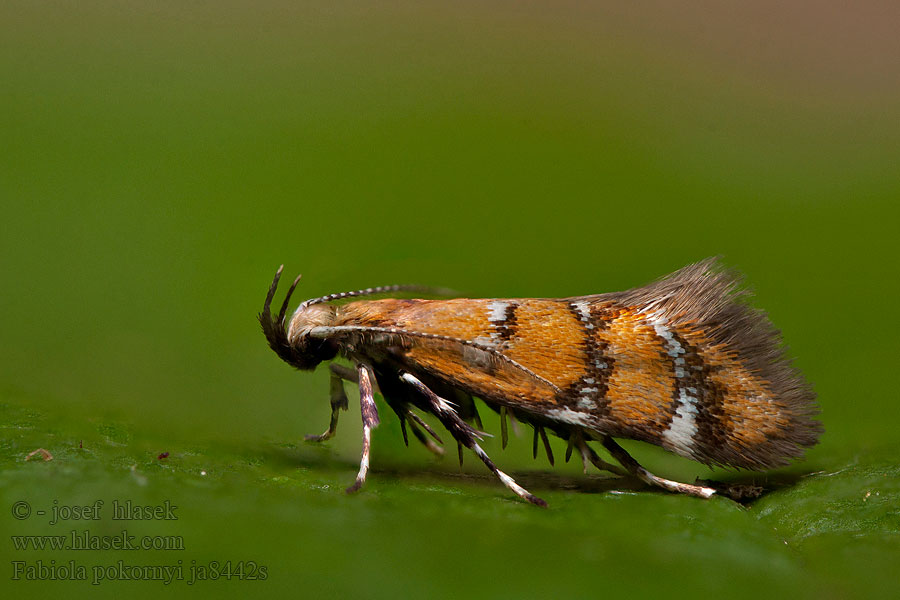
{"x":685,"y":363}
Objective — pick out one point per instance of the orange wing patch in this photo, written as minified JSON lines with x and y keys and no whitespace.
{"x":548,"y":339}
{"x":458,"y":318}
{"x":481,"y":375}
{"x":641,"y":385}
{"x":484,"y":374}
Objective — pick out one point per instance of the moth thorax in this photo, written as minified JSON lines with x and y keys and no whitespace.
{"x":307,"y":317}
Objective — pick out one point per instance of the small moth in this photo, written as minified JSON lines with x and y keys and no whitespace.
{"x":684,"y":363}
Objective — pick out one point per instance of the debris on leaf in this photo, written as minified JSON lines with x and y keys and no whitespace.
{"x":44,"y":454}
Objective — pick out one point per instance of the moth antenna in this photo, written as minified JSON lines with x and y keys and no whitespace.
{"x":383,"y":289}
{"x":287,"y":299}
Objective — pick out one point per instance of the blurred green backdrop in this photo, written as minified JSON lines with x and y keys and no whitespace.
{"x":159,"y":160}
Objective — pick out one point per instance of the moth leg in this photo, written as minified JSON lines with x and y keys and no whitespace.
{"x":348,"y":374}
{"x":370,"y":421}
{"x":646,"y":476}
{"x":404,"y":412}
{"x":415,"y":421}
{"x":345,"y":373}
{"x":338,"y":402}
{"x":589,"y":456}
{"x":466,"y":435}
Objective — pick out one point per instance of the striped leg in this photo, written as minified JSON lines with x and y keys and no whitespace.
{"x":646,"y":476}
{"x":465,"y":435}
{"x":370,"y":421}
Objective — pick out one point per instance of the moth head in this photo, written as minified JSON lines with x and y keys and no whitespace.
{"x":293,"y":343}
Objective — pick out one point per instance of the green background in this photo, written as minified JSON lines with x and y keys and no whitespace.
{"x":159,"y":160}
